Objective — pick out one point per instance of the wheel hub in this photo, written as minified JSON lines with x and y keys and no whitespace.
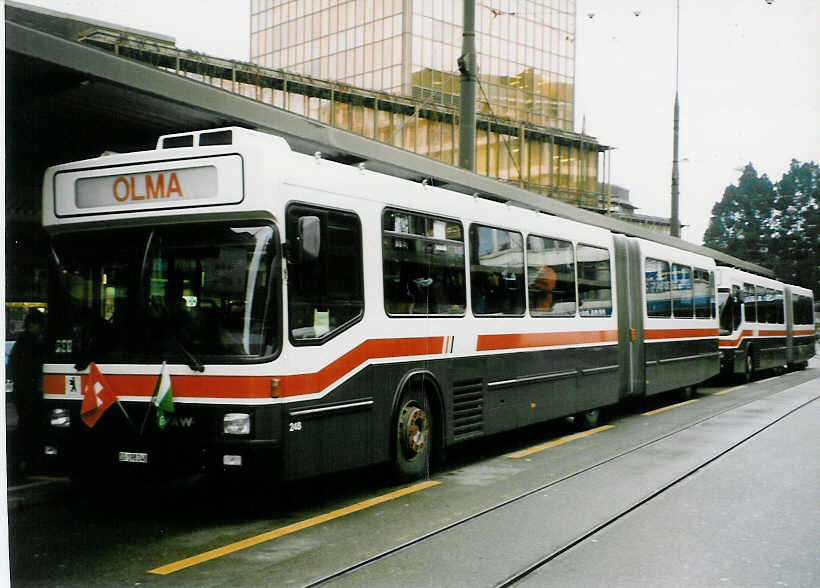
{"x":413,"y":430}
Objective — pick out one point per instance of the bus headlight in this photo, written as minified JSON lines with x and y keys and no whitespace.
{"x":236,"y":423}
{"x":60,"y":418}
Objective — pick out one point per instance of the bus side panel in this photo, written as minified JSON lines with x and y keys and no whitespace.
{"x":677,"y":364}
{"x":770,"y":352}
{"x":529,"y":387}
{"x":338,"y":432}
{"x":803,"y":349}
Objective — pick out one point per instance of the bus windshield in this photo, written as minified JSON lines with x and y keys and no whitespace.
{"x":185,"y":293}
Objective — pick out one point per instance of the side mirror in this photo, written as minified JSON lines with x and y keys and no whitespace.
{"x":310,"y":237}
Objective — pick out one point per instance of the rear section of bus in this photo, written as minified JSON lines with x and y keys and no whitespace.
{"x":800,"y":326}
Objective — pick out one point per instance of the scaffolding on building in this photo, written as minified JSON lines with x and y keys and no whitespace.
{"x":566,"y":166}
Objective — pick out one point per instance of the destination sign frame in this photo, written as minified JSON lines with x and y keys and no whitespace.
{"x":166,"y":184}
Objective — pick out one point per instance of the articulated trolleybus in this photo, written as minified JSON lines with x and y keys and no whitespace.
{"x":763,"y":323}
{"x":314,"y":316}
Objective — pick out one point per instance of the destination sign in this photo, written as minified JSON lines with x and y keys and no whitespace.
{"x":193,"y":183}
{"x":172,"y":184}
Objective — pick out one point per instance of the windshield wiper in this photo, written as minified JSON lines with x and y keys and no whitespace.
{"x":192,"y":362}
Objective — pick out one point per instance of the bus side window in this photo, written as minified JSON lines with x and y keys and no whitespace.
{"x":762,"y":305}
{"x":682,"y":291}
{"x":802,"y":309}
{"x":594,"y":281}
{"x":705,"y":294}
{"x":496,"y":271}
{"x":749,"y":304}
{"x":780,"y":311}
{"x":550,"y":277}
{"x":422,"y":265}
{"x":325,"y":293}
{"x":658,"y":298}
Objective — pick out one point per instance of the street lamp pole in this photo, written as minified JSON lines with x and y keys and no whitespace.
{"x":675,"y":217}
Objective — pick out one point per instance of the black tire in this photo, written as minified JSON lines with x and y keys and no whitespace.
{"x":796,"y":367}
{"x":412,"y":435}
{"x":748,"y":367}
{"x":687,"y":392}
{"x":588,"y":419}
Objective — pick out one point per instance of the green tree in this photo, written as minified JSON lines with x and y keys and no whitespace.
{"x":794,"y":233}
{"x":740,"y":221}
{"x":773,"y":225}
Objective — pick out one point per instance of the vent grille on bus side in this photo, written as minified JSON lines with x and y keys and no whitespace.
{"x":468,"y":408}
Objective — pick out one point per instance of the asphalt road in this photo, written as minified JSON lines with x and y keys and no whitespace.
{"x":721,"y":491}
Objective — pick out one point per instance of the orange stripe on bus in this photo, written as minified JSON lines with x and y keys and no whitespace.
{"x":183,"y":386}
{"x":778,"y":333}
{"x":749,"y":333}
{"x":736,"y":342}
{"x":371,"y":349}
{"x":679,"y":333}
{"x":245,"y":387}
{"x":524,"y":340}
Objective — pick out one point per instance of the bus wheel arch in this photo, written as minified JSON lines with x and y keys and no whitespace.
{"x":416,"y":426}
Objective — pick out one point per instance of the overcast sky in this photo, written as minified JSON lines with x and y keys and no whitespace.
{"x":749,"y":83}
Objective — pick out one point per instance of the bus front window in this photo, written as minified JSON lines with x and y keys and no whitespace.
{"x":185,"y":293}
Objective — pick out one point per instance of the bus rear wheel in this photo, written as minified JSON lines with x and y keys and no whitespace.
{"x":413,"y":436}
{"x":748,"y":367}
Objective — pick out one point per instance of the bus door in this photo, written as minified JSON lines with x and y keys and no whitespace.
{"x":631,"y":355}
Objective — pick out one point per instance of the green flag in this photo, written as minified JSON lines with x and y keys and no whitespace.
{"x":163,"y":398}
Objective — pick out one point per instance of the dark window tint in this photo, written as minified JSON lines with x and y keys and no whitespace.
{"x":423,"y":264}
{"x":762,"y":305}
{"x":658,"y":299}
{"x":779,"y":310}
{"x":325,"y":294}
{"x":496,"y":271}
{"x":550,"y":277}
{"x":749,"y":303}
{"x":802,"y":308}
{"x":594,"y":281}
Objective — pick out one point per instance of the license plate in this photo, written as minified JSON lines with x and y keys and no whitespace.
{"x":131,"y":457}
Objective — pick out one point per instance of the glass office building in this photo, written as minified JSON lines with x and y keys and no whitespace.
{"x":391,"y":66}
{"x":525,"y":50}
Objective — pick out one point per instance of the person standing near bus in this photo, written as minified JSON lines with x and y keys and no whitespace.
{"x":26,"y":371}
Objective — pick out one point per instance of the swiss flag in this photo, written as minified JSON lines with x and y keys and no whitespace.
{"x":97,"y":396}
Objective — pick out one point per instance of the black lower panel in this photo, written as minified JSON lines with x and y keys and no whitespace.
{"x":677,"y":364}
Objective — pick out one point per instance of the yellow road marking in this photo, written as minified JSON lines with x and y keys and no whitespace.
{"x":287,"y":530}
{"x":767,"y":380}
{"x":51,"y":478}
{"x":561,"y":441}
{"x":729,"y":390}
{"x":670,"y":407}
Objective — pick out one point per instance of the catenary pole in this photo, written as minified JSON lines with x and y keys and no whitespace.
{"x":467,"y":67}
{"x":675,"y":215}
